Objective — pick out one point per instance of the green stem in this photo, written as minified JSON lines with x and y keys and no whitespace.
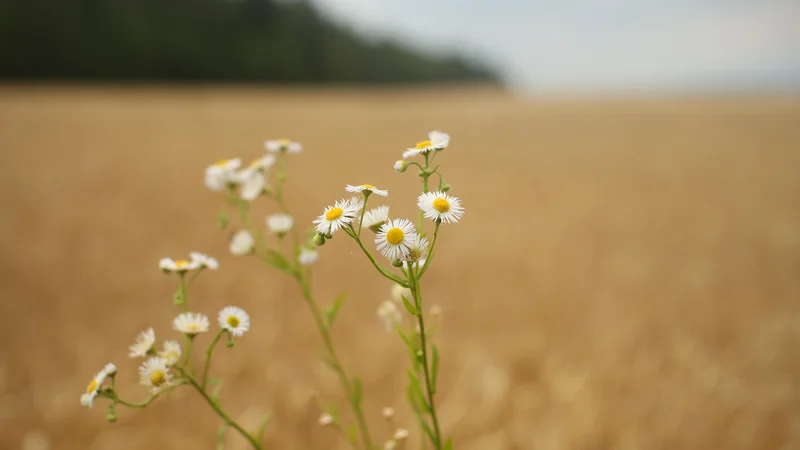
{"x":336,"y":363}
{"x":383,"y":271}
{"x":363,"y":210}
{"x":208,"y":357}
{"x":115,"y":398}
{"x":415,"y":291}
{"x":186,"y":361}
{"x":230,"y":422}
{"x":430,"y":251}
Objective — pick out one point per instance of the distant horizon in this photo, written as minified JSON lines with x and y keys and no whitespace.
{"x":589,"y":46}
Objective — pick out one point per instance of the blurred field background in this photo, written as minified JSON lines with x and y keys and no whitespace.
{"x":626,"y":276}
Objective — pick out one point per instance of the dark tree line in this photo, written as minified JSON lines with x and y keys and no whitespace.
{"x":204,"y":40}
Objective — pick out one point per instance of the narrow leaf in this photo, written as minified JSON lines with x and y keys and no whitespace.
{"x":357,"y":391}
{"x":435,"y":367}
{"x":261,"y":428}
{"x":333,"y":312}
{"x":352,"y":434}
{"x":215,"y":392}
{"x":409,"y":307}
{"x":221,"y":436}
{"x":449,"y":444}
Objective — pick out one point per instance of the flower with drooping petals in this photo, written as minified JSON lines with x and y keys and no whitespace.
{"x":145,"y":343}
{"x":171,"y":353}
{"x":436,"y":141}
{"x":375,"y":218}
{"x":366,"y":189}
{"x":190,"y":324}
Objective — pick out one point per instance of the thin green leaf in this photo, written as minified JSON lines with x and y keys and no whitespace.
{"x":221,"y":436}
{"x":409,"y":307}
{"x":416,"y":387}
{"x":427,"y":429}
{"x":330,"y":363}
{"x":435,"y":367}
{"x":352,"y":434}
{"x":449,"y":444}
{"x":261,"y":428}
{"x":333,"y":311}
{"x":215,"y":392}
{"x":358,"y":392}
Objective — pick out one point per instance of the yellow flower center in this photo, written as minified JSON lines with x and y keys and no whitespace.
{"x":414,"y":254}
{"x":92,"y":387}
{"x":284,"y":142}
{"x":158,"y":377}
{"x":367,"y":186}
{"x":221,"y":163}
{"x":423,"y":144}
{"x":441,"y":205}
{"x":334,"y":214}
{"x":233,"y":321}
{"x":191,"y":328}
{"x":395,"y":236}
{"x":181,"y":263}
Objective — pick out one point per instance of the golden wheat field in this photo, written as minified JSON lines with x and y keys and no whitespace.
{"x":626,"y":276}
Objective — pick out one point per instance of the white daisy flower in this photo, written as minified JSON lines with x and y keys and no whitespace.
{"x":154,"y":374}
{"x":190,"y":323}
{"x":283,"y":145}
{"x":221,"y":173}
{"x":110,"y":369}
{"x":253,"y":186}
{"x":280,"y":223}
{"x":87,"y":399}
{"x":375,"y":217}
{"x":145,"y":343}
{"x":242,"y":243}
{"x":171,"y":353}
{"x":395,"y":238}
{"x":438,"y":206}
{"x":204,"y":260}
{"x":307,"y":256}
{"x":436,"y":141}
{"x":390,"y":315}
{"x":325,"y":419}
{"x":180,"y":265}
{"x":235,"y":320}
{"x":390,"y":445}
{"x":417,"y":250}
{"x":336,"y":217}
{"x":366,"y":189}
{"x":398,"y":292}
{"x":401,"y":434}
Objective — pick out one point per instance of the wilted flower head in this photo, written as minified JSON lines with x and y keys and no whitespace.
{"x":417,"y":250}
{"x":190,"y":323}
{"x":87,"y":399}
{"x":171,"y":353}
{"x":145,"y":343}
{"x":375,"y":218}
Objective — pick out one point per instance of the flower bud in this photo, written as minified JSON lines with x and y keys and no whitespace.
{"x":400,"y":166}
{"x":446,"y":187}
{"x":319,"y":240}
{"x":397,"y":263}
{"x":111,"y":416}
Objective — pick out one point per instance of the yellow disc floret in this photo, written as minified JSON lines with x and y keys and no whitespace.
{"x":423,"y":144}
{"x":395,"y":236}
{"x":441,"y":205}
{"x":334,"y":213}
{"x":158,"y":377}
{"x":233,"y":321}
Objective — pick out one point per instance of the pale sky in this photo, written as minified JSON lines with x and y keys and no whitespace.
{"x":600,"y":45}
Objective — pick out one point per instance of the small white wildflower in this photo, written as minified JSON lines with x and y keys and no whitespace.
{"x":221,"y":173}
{"x":181,"y":265}
{"x":283,"y":145}
{"x":253,"y":186}
{"x":325,"y":419}
{"x":395,"y":237}
{"x":401,"y":434}
{"x":400,"y":166}
{"x":436,"y":141}
{"x":390,"y":445}
{"x":204,"y":260}
{"x":154,"y":374}
{"x":375,"y":218}
{"x":390,"y":315}
{"x":235,"y":320}
{"x":87,"y":399}
{"x":366,"y":189}
{"x":417,"y":250}
{"x":280,"y":223}
{"x":399,"y":291}
{"x":438,"y":206}
{"x":144,"y":344}
{"x":335,"y":217}
{"x":190,"y":324}
{"x":387,"y":413}
{"x":171,"y":353}
{"x":110,"y":369}
{"x":242,"y":243}
{"x":307,"y":256}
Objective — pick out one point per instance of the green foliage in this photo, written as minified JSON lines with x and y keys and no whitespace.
{"x":204,"y":40}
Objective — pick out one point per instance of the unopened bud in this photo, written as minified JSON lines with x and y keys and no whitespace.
{"x":397,"y":263}
{"x":319,"y":240}
{"x":110,"y":369}
{"x":111,"y":416}
{"x":446,"y":187}
{"x":400,"y":166}
{"x":420,"y":356}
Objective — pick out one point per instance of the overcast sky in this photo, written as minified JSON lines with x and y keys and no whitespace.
{"x":554,"y":45}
